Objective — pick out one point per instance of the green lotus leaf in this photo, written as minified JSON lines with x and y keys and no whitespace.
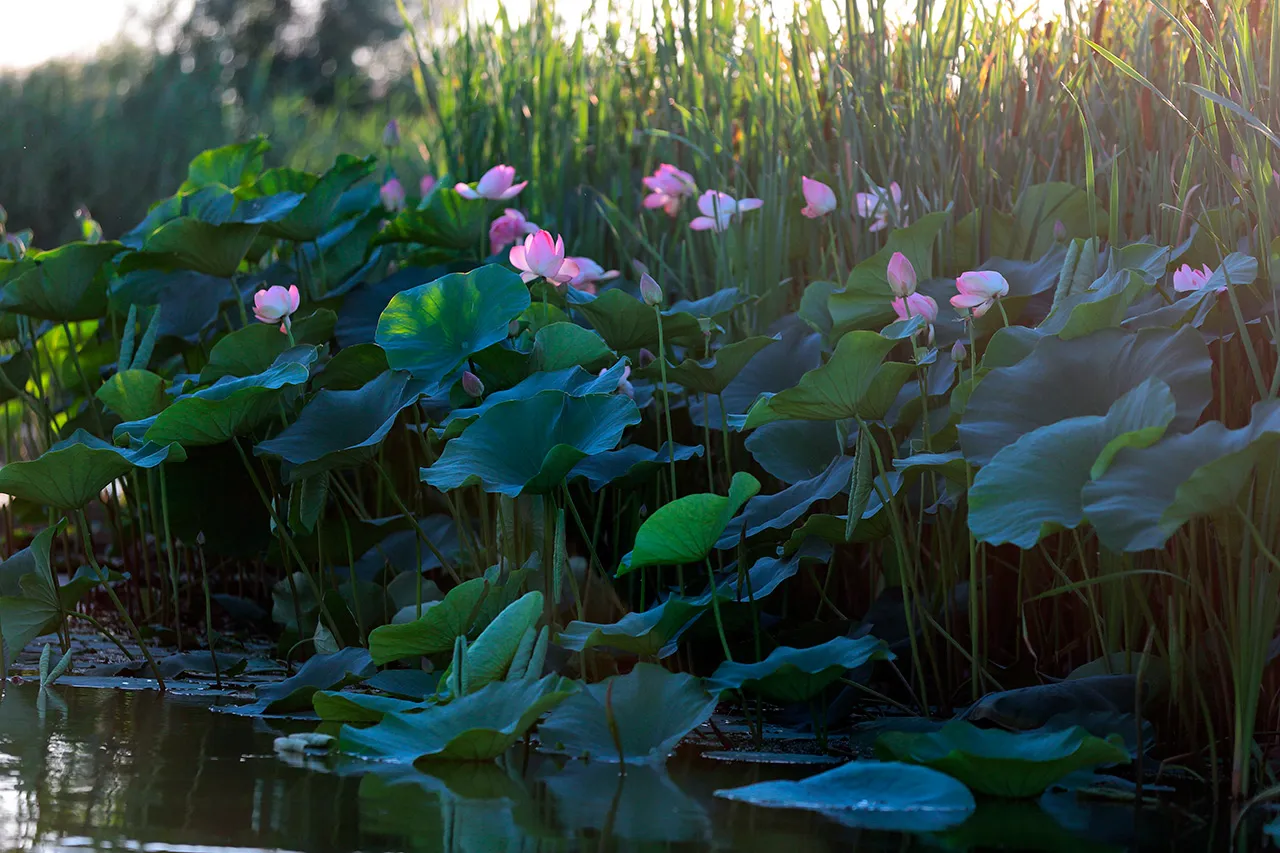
{"x":315,"y":213}
{"x":17,"y":370}
{"x":448,"y":225}
{"x":341,"y":429}
{"x":188,"y":243}
{"x":686,"y":529}
{"x":431,"y":330}
{"x":873,"y":525}
{"x":780,"y":368}
{"x":489,"y":658}
{"x":255,"y":348}
{"x":879,"y":795}
{"x":781,"y":510}
{"x":626,"y":323}
{"x":559,"y":346}
{"x":865,"y":302}
{"x":134,"y":394}
{"x":638,"y":717}
{"x":595,"y":800}
{"x":854,"y":383}
{"x":1087,"y":376}
{"x":74,"y":471}
{"x":1103,"y":306}
{"x":61,"y":285}
{"x":294,"y":694}
{"x":477,"y":727}
{"x":790,"y":675}
{"x":794,"y":451}
{"x":632,"y":464}
{"x":345,"y":707}
{"x":1147,"y":493}
{"x":1001,"y":763}
{"x":530,"y":446}
{"x":714,"y":375}
{"x":649,"y":633}
{"x":351,"y":368}
{"x":435,"y":631}
{"x":231,"y":165}
{"x":1034,"y":486}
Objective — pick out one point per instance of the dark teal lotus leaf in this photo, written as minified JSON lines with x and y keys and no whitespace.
{"x":595,"y":800}
{"x":628,"y":465}
{"x":17,"y":369}
{"x":879,"y":795}
{"x":714,"y":307}
{"x":794,"y":451}
{"x":189,"y":302}
{"x":865,"y":302}
{"x":364,"y":303}
{"x":1001,"y":763}
{"x":799,"y":351}
{"x":1148,"y":493}
{"x":225,"y":409}
{"x":294,"y":694}
{"x":1087,"y":376}
{"x":341,"y":429}
{"x":413,"y":684}
{"x":74,"y":471}
{"x":950,"y":465}
{"x":340,"y":706}
{"x":61,"y":285}
{"x":314,"y":214}
{"x":626,"y":323}
{"x":1103,"y":306}
{"x":874,"y":523}
{"x":478,"y":727}
{"x":1033,"y":487}
{"x":351,"y":368}
{"x":686,"y":529}
{"x":255,"y":348}
{"x":638,"y":717}
{"x":649,"y":633}
{"x":134,"y":394}
{"x":790,"y":675}
{"x":531,"y":445}
{"x":435,"y":630}
{"x":231,"y":165}
{"x":559,"y":346}
{"x":573,"y":381}
{"x":191,"y":244}
{"x":1040,"y":207}
{"x":431,"y":330}
{"x":714,"y":375}
{"x":781,"y":510}
{"x":449,"y":227}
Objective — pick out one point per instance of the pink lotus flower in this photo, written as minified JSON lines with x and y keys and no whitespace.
{"x":979,"y":290}
{"x":1188,"y":280}
{"x":719,"y":209}
{"x":392,"y":195}
{"x":916,"y":305}
{"x":590,"y":274}
{"x":497,"y":184}
{"x":426,"y":185}
{"x":624,"y":384}
{"x":276,"y":305}
{"x":902,"y":276}
{"x":667,"y":187}
{"x":543,"y":257}
{"x":820,"y":198}
{"x":878,"y":204}
{"x":958,"y":352}
{"x":508,"y":228}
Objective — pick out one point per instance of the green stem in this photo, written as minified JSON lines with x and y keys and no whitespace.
{"x":715,"y":608}
{"x":666,"y":402}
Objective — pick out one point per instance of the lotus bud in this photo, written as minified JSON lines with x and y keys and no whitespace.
{"x":426,"y":185}
{"x":4,"y":217}
{"x":650,"y":292}
{"x":200,"y":539}
{"x":644,"y":358}
{"x":472,"y":384}
{"x":958,"y":352}
{"x":391,"y":134}
{"x":513,"y":328}
{"x":704,"y":326}
{"x":1059,"y":231}
{"x":902,"y":276}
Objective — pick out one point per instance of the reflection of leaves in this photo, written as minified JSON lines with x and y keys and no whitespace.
{"x":595,"y":797}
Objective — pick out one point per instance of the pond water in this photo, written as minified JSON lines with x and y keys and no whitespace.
{"x":84,"y":769}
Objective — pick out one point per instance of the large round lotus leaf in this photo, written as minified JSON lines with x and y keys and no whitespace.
{"x":315,"y":213}
{"x":794,"y":451}
{"x":686,"y":529}
{"x":61,"y":285}
{"x":192,"y":244}
{"x":364,"y":304}
{"x":855,"y":383}
{"x":435,"y":630}
{"x":531,"y":445}
{"x":431,"y":330}
{"x":634,"y":463}
{"x":74,"y":471}
{"x":626,"y":323}
{"x":351,"y":368}
{"x":1084,"y":376}
{"x":491,"y":656}
{"x":649,"y":633}
{"x":1148,"y":493}
{"x":638,"y":717}
{"x":714,"y":375}
{"x":1033,"y":487}
{"x":781,"y":510}
{"x":341,"y":429}
{"x":232,"y":165}
{"x":799,"y":351}
{"x":1001,"y":763}
{"x":790,"y":675}
{"x":865,"y":302}
{"x":226,"y":408}
{"x":559,"y":346}
{"x":449,"y":226}
{"x":255,"y":348}
{"x":880,"y":795}
{"x":573,"y":381}
{"x":189,"y":302}
{"x":134,"y":394}
{"x":477,"y":727}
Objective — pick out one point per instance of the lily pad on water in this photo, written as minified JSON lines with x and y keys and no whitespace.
{"x":887,"y":796}
{"x":294,"y":694}
{"x":797,"y":675}
{"x":1001,"y":763}
{"x":341,"y":429}
{"x":714,"y":375}
{"x":344,"y":707}
{"x":630,"y":464}
{"x":435,"y":631}
{"x":637,"y":717}
{"x":686,"y":529}
{"x":530,"y":446}
{"x":74,"y":471}
{"x":477,"y":727}
{"x":432,"y":329}
{"x":62,"y":285}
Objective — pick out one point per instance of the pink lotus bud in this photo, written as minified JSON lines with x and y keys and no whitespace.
{"x":902,"y":276}
{"x":958,"y":352}
{"x":392,"y":196}
{"x":820,"y":198}
{"x":644,"y":358}
{"x":391,"y":134}
{"x":276,"y":305}
{"x":472,"y":385}
{"x":650,"y":292}
{"x":1059,"y":231}
{"x":513,"y":328}
{"x":426,"y":185}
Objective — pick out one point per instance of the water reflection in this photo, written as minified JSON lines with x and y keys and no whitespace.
{"x":115,"y":770}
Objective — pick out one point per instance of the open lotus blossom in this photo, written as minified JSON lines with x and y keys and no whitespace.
{"x":590,"y":274}
{"x":510,"y":227}
{"x":878,"y":204}
{"x":497,"y":184}
{"x":276,"y":304}
{"x":624,"y":384}
{"x":719,"y":209}
{"x":902,"y":276}
{"x":426,"y":185}
{"x":820,"y":199}
{"x":667,"y":186}
{"x":392,"y":195}
{"x":979,"y":290}
{"x":916,"y":305}
{"x":1186,"y":279}
{"x":542,"y":256}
